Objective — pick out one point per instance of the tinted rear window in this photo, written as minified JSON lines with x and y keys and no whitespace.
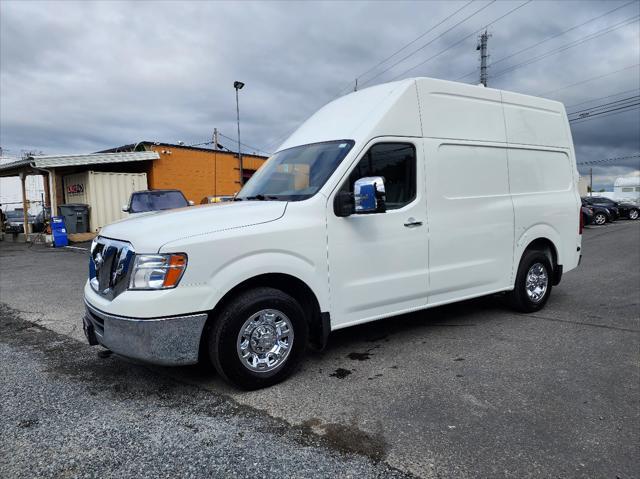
{"x":157,"y":200}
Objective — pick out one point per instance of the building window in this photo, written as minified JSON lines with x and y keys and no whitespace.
{"x":246,"y":174}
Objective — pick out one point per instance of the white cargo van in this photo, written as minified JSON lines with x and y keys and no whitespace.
{"x":391,"y":199}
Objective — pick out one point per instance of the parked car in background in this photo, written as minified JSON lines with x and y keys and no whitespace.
{"x":155,"y":200}
{"x":207,"y":200}
{"x":601,"y":215}
{"x":587,"y":215}
{"x":610,"y":205}
{"x":15,"y":221}
{"x":624,"y":210}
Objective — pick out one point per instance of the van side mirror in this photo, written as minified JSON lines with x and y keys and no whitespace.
{"x":369,"y":195}
{"x":125,"y":208}
{"x":343,"y":204}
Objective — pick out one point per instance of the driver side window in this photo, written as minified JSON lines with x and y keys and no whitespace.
{"x":396,"y":163}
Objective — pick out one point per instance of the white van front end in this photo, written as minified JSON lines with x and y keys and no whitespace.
{"x":150,"y":286}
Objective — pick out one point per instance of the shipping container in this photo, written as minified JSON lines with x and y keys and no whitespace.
{"x":104,"y":192}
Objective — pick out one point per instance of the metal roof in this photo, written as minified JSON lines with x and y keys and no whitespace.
{"x":57,"y":161}
{"x":14,"y":163}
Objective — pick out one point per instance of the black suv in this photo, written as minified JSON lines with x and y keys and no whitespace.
{"x":625,"y":210}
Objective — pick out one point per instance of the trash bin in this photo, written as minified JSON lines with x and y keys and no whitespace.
{"x":59,"y":232}
{"x":76,"y":217}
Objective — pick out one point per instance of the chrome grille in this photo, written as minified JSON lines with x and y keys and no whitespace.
{"x":110,"y":266}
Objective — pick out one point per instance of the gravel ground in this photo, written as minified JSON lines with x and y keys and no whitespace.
{"x":65,"y":414}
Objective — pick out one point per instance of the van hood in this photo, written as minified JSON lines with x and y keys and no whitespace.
{"x":147,"y":233}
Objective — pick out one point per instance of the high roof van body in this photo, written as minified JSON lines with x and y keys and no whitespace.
{"x":392,"y":199}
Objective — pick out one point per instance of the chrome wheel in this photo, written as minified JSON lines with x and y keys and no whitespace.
{"x":633,"y":214}
{"x":537,"y":282}
{"x":265,"y":340}
{"x":600,"y":219}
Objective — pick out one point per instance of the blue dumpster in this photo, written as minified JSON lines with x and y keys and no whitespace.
{"x":59,"y":231}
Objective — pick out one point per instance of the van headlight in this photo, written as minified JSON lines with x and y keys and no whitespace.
{"x":157,"y":271}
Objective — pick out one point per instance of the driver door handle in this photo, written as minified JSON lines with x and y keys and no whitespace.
{"x":412,"y":223}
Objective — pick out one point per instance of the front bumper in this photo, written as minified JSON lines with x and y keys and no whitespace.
{"x":169,"y":341}
{"x":9,"y":228}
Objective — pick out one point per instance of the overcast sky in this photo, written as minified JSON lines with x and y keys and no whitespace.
{"x":81,"y":77}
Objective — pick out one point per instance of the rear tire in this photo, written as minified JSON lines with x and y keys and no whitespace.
{"x":533,"y":282}
{"x":258,"y":338}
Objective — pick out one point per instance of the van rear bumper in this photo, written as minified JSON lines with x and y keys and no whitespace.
{"x":170,"y":341}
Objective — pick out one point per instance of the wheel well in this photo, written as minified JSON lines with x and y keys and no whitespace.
{"x":545,"y":245}
{"x":291,"y":285}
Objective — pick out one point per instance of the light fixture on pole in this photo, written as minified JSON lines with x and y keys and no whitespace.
{"x":238,"y":86}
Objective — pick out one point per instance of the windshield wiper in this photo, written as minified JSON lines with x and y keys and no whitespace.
{"x":258,"y":197}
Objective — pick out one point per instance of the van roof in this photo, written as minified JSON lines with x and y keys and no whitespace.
{"x":402,"y":108}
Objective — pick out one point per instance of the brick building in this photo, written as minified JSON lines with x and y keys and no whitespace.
{"x":197,"y":172}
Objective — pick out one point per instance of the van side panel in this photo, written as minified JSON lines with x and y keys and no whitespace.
{"x":466,"y":112}
{"x":542,"y":175}
{"x":470,"y":219}
{"x":534,"y":121}
{"x":544,"y":199}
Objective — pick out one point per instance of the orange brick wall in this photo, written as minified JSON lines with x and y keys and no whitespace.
{"x":194,"y":171}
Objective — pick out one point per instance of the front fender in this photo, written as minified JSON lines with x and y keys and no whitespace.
{"x":242,"y":268}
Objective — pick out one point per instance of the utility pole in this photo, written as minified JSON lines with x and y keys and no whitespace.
{"x":356,"y":87}
{"x":482,"y":48}
{"x":591,"y":181}
{"x":215,"y":162}
{"x":238,"y":85}
{"x":25,"y":206}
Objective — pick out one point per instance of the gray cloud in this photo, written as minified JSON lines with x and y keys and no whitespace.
{"x":78,"y":77}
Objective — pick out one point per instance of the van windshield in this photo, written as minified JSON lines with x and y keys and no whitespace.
{"x":297,"y":173}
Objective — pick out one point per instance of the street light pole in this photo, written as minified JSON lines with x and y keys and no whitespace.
{"x":238,"y":86}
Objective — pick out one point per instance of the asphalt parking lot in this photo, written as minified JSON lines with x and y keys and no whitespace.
{"x":467,"y":390}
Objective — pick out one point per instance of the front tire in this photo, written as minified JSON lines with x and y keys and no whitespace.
{"x":600,"y":219}
{"x":533,"y":282}
{"x":258,"y":338}
{"x":633,"y":214}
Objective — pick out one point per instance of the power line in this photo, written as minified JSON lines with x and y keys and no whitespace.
{"x":463,"y":39}
{"x":210,"y":142}
{"x":602,"y":97}
{"x":606,"y":160}
{"x":274,"y":144}
{"x":597,"y":107}
{"x":412,"y":42}
{"x":588,"y":80}
{"x":569,"y":45}
{"x":281,"y":138}
{"x":612,"y":111}
{"x":430,"y":42}
{"x":244,"y":144}
{"x":549,"y":38}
